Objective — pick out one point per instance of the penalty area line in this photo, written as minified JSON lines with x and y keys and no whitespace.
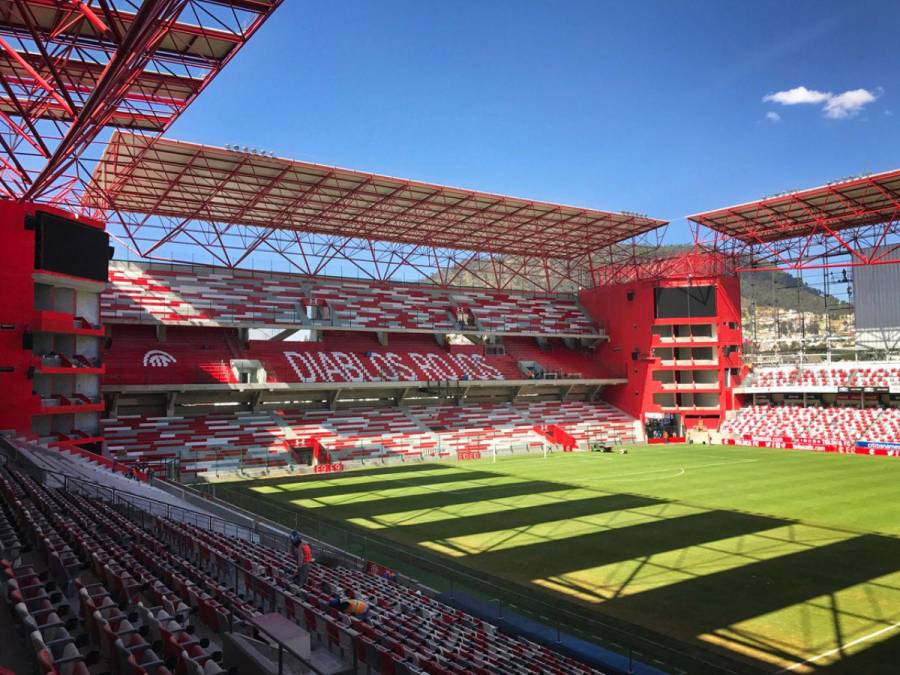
{"x":864,"y":638}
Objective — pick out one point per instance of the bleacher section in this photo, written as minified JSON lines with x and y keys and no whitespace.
{"x":192,"y":355}
{"x":221,"y":442}
{"x":158,"y":596}
{"x":224,"y":442}
{"x":188,"y":356}
{"x":826,"y":377}
{"x":556,"y":360}
{"x":359,"y":357}
{"x":815,"y":425}
{"x":212,"y":296}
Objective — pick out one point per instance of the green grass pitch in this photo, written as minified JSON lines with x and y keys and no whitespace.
{"x":782,"y":559}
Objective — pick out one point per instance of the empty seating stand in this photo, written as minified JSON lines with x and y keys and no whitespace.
{"x":224,"y":442}
{"x":217,"y":442}
{"x":836,"y":425}
{"x":210,"y":296}
{"x":827,"y":377}
{"x":187,"y":356}
{"x":158,"y":596}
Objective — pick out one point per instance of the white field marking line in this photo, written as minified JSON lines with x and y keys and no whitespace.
{"x":729,"y":462}
{"x":813,"y":659}
{"x":678,"y":473}
{"x":682,"y":470}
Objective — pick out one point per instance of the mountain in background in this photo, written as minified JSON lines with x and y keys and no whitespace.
{"x":780,"y":289}
{"x":758,"y":289}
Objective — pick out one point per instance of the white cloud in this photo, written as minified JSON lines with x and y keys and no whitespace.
{"x":849,"y":103}
{"x":773,"y":116}
{"x":797,"y":95}
{"x":835,"y":106}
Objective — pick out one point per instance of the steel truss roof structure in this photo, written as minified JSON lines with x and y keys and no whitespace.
{"x":70,"y":68}
{"x":234,"y":203}
{"x":847,"y":223}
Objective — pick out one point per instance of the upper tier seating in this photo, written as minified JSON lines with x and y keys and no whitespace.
{"x":829,"y":425}
{"x":225,"y":441}
{"x":557,"y":360}
{"x":161,"y":582}
{"x":192,"y":355}
{"x":831,"y":376}
{"x":212,"y":296}
{"x":188,"y":356}
{"x":497,"y":312}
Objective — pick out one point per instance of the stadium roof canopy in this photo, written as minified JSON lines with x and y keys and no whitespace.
{"x":826,"y":210}
{"x":186,"y":181}
{"x":70,"y":69}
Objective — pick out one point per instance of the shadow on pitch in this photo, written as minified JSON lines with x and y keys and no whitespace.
{"x":569,"y":554}
{"x":411,"y":468}
{"x":880,"y":657}
{"x":336,"y":488}
{"x":722,"y":599}
{"x":429,"y":501}
{"x":508,"y":518}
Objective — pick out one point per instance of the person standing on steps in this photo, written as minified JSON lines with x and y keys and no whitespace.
{"x":302,"y":554}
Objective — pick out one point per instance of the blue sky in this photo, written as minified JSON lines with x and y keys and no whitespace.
{"x":654,"y":107}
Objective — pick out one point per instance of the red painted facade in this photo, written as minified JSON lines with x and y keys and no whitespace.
{"x":684,"y":366}
{"x":17,"y":403}
{"x":23,"y":320}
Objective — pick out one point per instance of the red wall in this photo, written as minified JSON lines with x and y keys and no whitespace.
{"x":629,"y":325}
{"x":17,"y":403}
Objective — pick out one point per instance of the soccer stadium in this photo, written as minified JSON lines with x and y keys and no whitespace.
{"x":262,"y":414}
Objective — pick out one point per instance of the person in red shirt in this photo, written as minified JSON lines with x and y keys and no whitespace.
{"x":302,"y":554}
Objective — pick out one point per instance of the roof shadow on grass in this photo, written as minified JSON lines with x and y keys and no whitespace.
{"x":384,"y":470}
{"x":429,"y":501}
{"x":413,"y":481}
{"x":879,"y":657}
{"x":716,"y":601}
{"x":569,"y":554}
{"x":507,"y":518}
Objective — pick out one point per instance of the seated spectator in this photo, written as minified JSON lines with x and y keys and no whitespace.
{"x":353,"y":606}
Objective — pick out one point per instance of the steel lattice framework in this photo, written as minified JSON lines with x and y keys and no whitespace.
{"x":71,"y":68}
{"x":165,"y":193}
{"x":846,"y":223}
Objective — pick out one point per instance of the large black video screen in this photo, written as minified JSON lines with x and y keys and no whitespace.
{"x":69,"y":247}
{"x":685,"y":302}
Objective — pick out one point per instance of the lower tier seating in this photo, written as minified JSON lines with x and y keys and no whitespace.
{"x":830,"y":425}
{"x":221,"y":441}
{"x":227,"y":441}
{"x":117,"y":590}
